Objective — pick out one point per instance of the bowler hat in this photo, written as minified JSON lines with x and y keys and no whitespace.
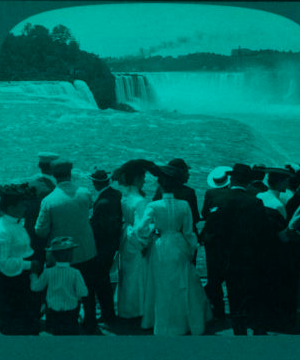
{"x":62,"y":243}
{"x":179,"y":163}
{"x":99,"y":175}
{"x":219,"y":177}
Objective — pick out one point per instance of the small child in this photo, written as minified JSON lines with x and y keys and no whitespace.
{"x":65,"y":288}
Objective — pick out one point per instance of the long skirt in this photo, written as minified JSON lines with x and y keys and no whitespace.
{"x":175,"y":301}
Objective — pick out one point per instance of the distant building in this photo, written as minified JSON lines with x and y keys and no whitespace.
{"x":241,"y":51}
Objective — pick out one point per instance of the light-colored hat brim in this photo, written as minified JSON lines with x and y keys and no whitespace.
{"x":99,"y":180}
{"x":216,"y":173}
{"x":45,"y":157}
{"x":61,"y":247}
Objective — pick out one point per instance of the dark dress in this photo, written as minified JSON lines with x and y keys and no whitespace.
{"x":106,"y":223}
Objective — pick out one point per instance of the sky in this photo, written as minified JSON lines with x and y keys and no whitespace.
{"x":170,"y":28}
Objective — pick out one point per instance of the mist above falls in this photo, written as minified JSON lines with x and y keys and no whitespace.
{"x":210,"y":92}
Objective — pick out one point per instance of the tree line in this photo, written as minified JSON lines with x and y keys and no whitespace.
{"x":41,"y":54}
{"x":239,"y":60}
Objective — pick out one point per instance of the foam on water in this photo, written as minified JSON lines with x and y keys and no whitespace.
{"x":109,"y":138}
{"x":77,"y":95}
{"x":203,"y":92}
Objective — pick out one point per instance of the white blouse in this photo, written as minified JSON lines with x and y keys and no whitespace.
{"x":14,"y":246}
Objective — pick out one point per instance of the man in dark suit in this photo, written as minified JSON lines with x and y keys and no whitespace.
{"x":294,"y":185}
{"x":243,"y":225}
{"x":183,"y":192}
{"x":216,"y":196}
{"x":106,"y":223}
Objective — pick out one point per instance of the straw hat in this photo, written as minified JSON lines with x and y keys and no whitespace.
{"x":219,"y":177}
{"x":62,"y":243}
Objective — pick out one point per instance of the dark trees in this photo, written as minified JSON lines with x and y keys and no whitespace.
{"x":40,"y":54}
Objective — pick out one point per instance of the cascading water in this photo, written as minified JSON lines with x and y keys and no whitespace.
{"x":77,"y":95}
{"x":199,"y":92}
{"x":134,"y":90}
{"x":85,"y":93}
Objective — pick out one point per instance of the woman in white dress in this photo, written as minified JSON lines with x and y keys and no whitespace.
{"x":176,"y":303}
{"x":132,"y":264}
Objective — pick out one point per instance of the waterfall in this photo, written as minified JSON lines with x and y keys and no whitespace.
{"x":135,"y":90}
{"x":84,"y":92}
{"x":199,"y":92}
{"x":77,"y":95}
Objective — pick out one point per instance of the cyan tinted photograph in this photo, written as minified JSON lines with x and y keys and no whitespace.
{"x":150,"y":170}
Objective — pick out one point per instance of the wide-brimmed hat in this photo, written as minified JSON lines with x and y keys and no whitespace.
{"x":219,"y":177}
{"x":62,"y":243}
{"x":293,"y":167}
{"x":99,"y":175}
{"x":21,"y":191}
{"x":179,"y":163}
{"x":129,"y":171}
{"x":170,"y":171}
{"x":280,"y":171}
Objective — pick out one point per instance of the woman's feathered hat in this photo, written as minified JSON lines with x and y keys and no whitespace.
{"x":129,"y":171}
{"x":22,"y":191}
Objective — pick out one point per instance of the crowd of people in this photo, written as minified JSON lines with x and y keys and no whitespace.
{"x":58,"y":247}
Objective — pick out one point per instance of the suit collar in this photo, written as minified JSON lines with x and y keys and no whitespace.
{"x":103,"y":190}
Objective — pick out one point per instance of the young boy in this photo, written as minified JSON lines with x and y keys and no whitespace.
{"x":65,"y":288}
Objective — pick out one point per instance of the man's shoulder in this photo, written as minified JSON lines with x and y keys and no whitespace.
{"x":110,"y":191}
{"x":109,"y":194}
{"x":240,"y":196}
{"x":83,"y":191}
{"x":217,"y":192}
{"x":251,"y":200}
{"x":52,"y":196}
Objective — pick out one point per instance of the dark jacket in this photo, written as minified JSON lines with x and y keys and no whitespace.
{"x":293,"y":204}
{"x":106,"y":221}
{"x":213,"y":200}
{"x":243,"y":224}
